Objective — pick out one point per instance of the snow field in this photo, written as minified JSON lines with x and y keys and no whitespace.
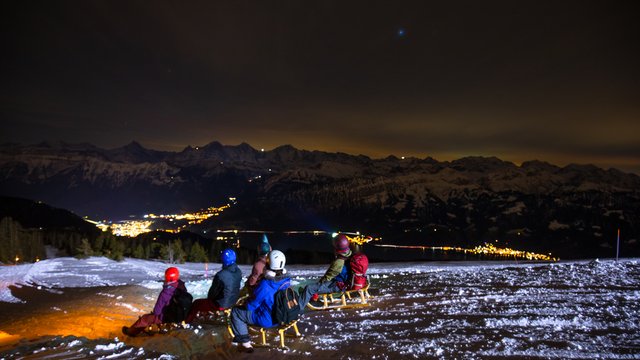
{"x":579,"y":310}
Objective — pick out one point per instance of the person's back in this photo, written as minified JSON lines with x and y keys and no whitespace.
{"x":337,"y":276}
{"x":164,"y":298}
{"x":178,"y":306}
{"x":171,"y":283}
{"x":263,"y":297}
{"x":338,"y":271}
{"x":225,"y":287}
{"x":358,"y":266}
{"x":257,"y":271}
{"x":229,"y":279}
{"x":224,"y":290}
{"x":258,"y":310}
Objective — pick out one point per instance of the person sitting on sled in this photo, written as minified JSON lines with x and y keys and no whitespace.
{"x":161,"y":310}
{"x":224,"y":290}
{"x":258,"y":311}
{"x":336,"y":278}
{"x":257,"y":272}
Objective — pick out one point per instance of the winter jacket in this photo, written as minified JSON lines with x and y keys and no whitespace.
{"x":338,"y":269}
{"x":262,"y":303}
{"x":257,"y":271}
{"x":225,"y":286}
{"x":165,"y":296}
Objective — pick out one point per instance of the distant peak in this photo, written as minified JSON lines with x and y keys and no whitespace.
{"x":213,"y":144}
{"x":538,"y":164}
{"x":244,"y":146}
{"x":286,"y":147}
{"x":134,"y":144}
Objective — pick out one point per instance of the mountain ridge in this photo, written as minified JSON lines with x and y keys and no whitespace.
{"x":474,"y":198}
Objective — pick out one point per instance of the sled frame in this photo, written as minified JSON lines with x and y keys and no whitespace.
{"x":281,"y":332}
{"x":263,"y":331}
{"x":340,"y":301}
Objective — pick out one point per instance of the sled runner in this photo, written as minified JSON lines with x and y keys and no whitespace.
{"x":163,"y":328}
{"x":217,"y":317}
{"x":344,"y":300}
{"x":280,"y":329}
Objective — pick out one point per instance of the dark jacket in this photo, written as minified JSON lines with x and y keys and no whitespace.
{"x":262,"y":303}
{"x":165,"y":296}
{"x":225,"y":287}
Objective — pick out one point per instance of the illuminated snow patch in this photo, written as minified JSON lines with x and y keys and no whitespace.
{"x":129,"y":306}
{"x":109,"y":347}
{"x":7,"y":296}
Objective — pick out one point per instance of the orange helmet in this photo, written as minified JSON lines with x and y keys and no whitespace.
{"x":171,"y":274}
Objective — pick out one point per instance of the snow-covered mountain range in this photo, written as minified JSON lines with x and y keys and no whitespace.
{"x":465,"y":201}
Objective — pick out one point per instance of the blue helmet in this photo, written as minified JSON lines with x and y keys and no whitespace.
{"x":228,"y":257}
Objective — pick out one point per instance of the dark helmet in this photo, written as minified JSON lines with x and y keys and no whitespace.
{"x":228,"y":257}
{"x":171,"y":274}
{"x":264,"y":248}
{"x":341,"y":243}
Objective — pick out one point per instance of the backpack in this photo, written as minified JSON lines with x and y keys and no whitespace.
{"x":359,"y":263}
{"x":286,"y":306}
{"x":178,"y":307}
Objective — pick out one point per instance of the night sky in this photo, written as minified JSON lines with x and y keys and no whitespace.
{"x":557,"y":81}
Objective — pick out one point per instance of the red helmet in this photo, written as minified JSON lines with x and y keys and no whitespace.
{"x":171,"y":274}
{"x":341,"y":244}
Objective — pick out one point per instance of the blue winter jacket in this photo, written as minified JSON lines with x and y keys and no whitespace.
{"x":262,"y":303}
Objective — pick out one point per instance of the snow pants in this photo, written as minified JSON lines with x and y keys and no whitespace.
{"x":142,"y":322}
{"x":201,"y":305}
{"x":240,"y":321}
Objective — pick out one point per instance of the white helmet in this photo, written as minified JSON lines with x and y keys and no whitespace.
{"x":277,"y":260}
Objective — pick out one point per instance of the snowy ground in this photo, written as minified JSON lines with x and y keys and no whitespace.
{"x":68,"y":308}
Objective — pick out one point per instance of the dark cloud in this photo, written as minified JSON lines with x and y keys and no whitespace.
{"x":552,"y":80}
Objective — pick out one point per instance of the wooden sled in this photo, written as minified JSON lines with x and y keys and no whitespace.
{"x":280,"y":329}
{"x":163,"y":328}
{"x":345,"y":300}
{"x":217,"y":317}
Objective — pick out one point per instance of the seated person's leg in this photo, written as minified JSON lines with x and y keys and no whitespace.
{"x":333,"y":287}
{"x":240,"y":321}
{"x":310,"y":290}
{"x":142,"y":322}
{"x":201,"y":306}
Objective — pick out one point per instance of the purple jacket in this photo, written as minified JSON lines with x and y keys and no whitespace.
{"x":165,"y":297}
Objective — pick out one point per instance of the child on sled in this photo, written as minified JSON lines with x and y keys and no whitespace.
{"x":163,"y":311}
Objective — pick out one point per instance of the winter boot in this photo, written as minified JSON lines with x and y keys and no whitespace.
{"x":245,"y":347}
